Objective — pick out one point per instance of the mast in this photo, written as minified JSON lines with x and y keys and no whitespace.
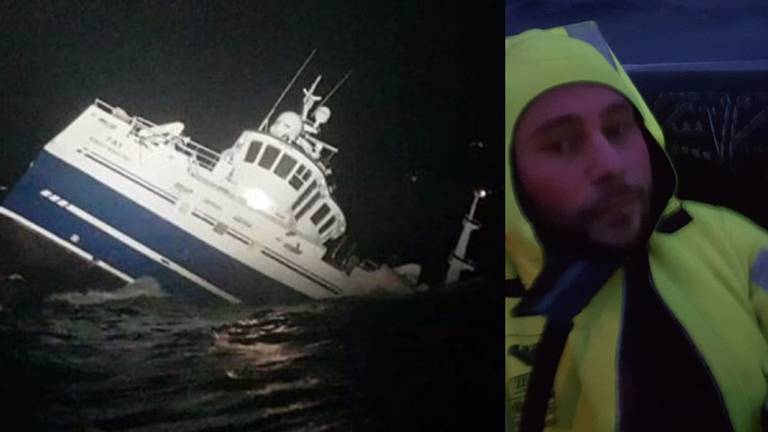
{"x":457,"y":261}
{"x":336,"y":87}
{"x":265,"y":122}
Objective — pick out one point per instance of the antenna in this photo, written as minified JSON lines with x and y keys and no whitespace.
{"x":264,"y":123}
{"x":310,"y":98}
{"x":336,"y":87}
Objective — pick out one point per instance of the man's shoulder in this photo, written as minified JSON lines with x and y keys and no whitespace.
{"x":718,"y":218}
{"x":698,"y":209}
{"x":703,"y":216}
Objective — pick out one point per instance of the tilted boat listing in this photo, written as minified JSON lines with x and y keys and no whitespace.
{"x":253,"y":224}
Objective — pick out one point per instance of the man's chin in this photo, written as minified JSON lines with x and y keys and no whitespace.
{"x":615,"y":242}
{"x":596,"y":245}
{"x":594,"y":236}
{"x":618,"y":232}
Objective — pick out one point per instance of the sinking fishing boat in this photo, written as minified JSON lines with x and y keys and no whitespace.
{"x":255,"y":223}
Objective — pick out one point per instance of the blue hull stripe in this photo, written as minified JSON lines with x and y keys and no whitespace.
{"x":267,"y":253}
{"x":144,"y":226}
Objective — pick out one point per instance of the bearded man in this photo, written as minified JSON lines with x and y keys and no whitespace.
{"x":631,"y":310}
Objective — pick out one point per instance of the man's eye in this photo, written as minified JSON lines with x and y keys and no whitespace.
{"x":560,"y":147}
{"x":616,"y":132}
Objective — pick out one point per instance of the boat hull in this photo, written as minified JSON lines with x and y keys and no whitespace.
{"x":75,"y":211}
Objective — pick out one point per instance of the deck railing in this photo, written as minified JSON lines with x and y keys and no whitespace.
{"x":200,"y":154}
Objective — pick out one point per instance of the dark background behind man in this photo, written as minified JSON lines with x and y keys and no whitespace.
{"x":657,"y":31}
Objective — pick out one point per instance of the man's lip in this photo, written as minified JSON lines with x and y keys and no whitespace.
{"x":622,"y":199}
{"x":617,"y":203}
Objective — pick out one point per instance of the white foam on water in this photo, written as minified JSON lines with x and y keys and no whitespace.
{"x":141,"y":287}
{"x":15,"y":277}
{"x":260,"y":353}
{"x":301,"y":384}
{"x":288,"y":409}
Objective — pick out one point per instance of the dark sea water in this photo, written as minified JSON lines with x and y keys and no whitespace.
{"x":135,"y":359}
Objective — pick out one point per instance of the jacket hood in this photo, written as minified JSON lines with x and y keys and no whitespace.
{"x":539,"y":60}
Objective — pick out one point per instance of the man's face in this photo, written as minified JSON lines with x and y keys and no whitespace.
{"x":583,"y":162}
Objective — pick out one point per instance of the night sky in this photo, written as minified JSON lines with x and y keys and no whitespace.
{"x":424,"y":76}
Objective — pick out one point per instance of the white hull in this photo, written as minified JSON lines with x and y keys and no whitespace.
{"x":146,"y":210}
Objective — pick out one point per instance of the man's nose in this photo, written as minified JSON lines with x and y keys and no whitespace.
{"x":604,"y":159}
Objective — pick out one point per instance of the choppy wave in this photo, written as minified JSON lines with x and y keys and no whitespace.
{"x":141,"y":287}
{"x":108,"y":362}
{"x":135,"y":360}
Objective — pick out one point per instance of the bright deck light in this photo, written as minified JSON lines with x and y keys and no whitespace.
{"x":257,"y":199}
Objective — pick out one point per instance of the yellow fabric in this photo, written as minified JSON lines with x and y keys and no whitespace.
{"x":701,"y":271}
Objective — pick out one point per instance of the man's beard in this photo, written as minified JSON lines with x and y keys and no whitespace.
{"x":571,"y":232}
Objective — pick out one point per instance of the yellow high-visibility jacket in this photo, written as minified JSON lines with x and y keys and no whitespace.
{"x":707,"y":265}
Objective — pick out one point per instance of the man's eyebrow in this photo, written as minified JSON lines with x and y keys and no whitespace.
{"x":565,"y":120}
{"x":616,"y":108}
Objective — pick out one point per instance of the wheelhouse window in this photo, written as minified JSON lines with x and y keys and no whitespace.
{"x":327,"y":224}
{"x":268,"y":157}
{"x":304,"y":195}
{"x":285,"y":166}
{"x":308,"y":205}
{"x":296,"y":181}
{"x":320,"y":214}
{"x":253,"y":151}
